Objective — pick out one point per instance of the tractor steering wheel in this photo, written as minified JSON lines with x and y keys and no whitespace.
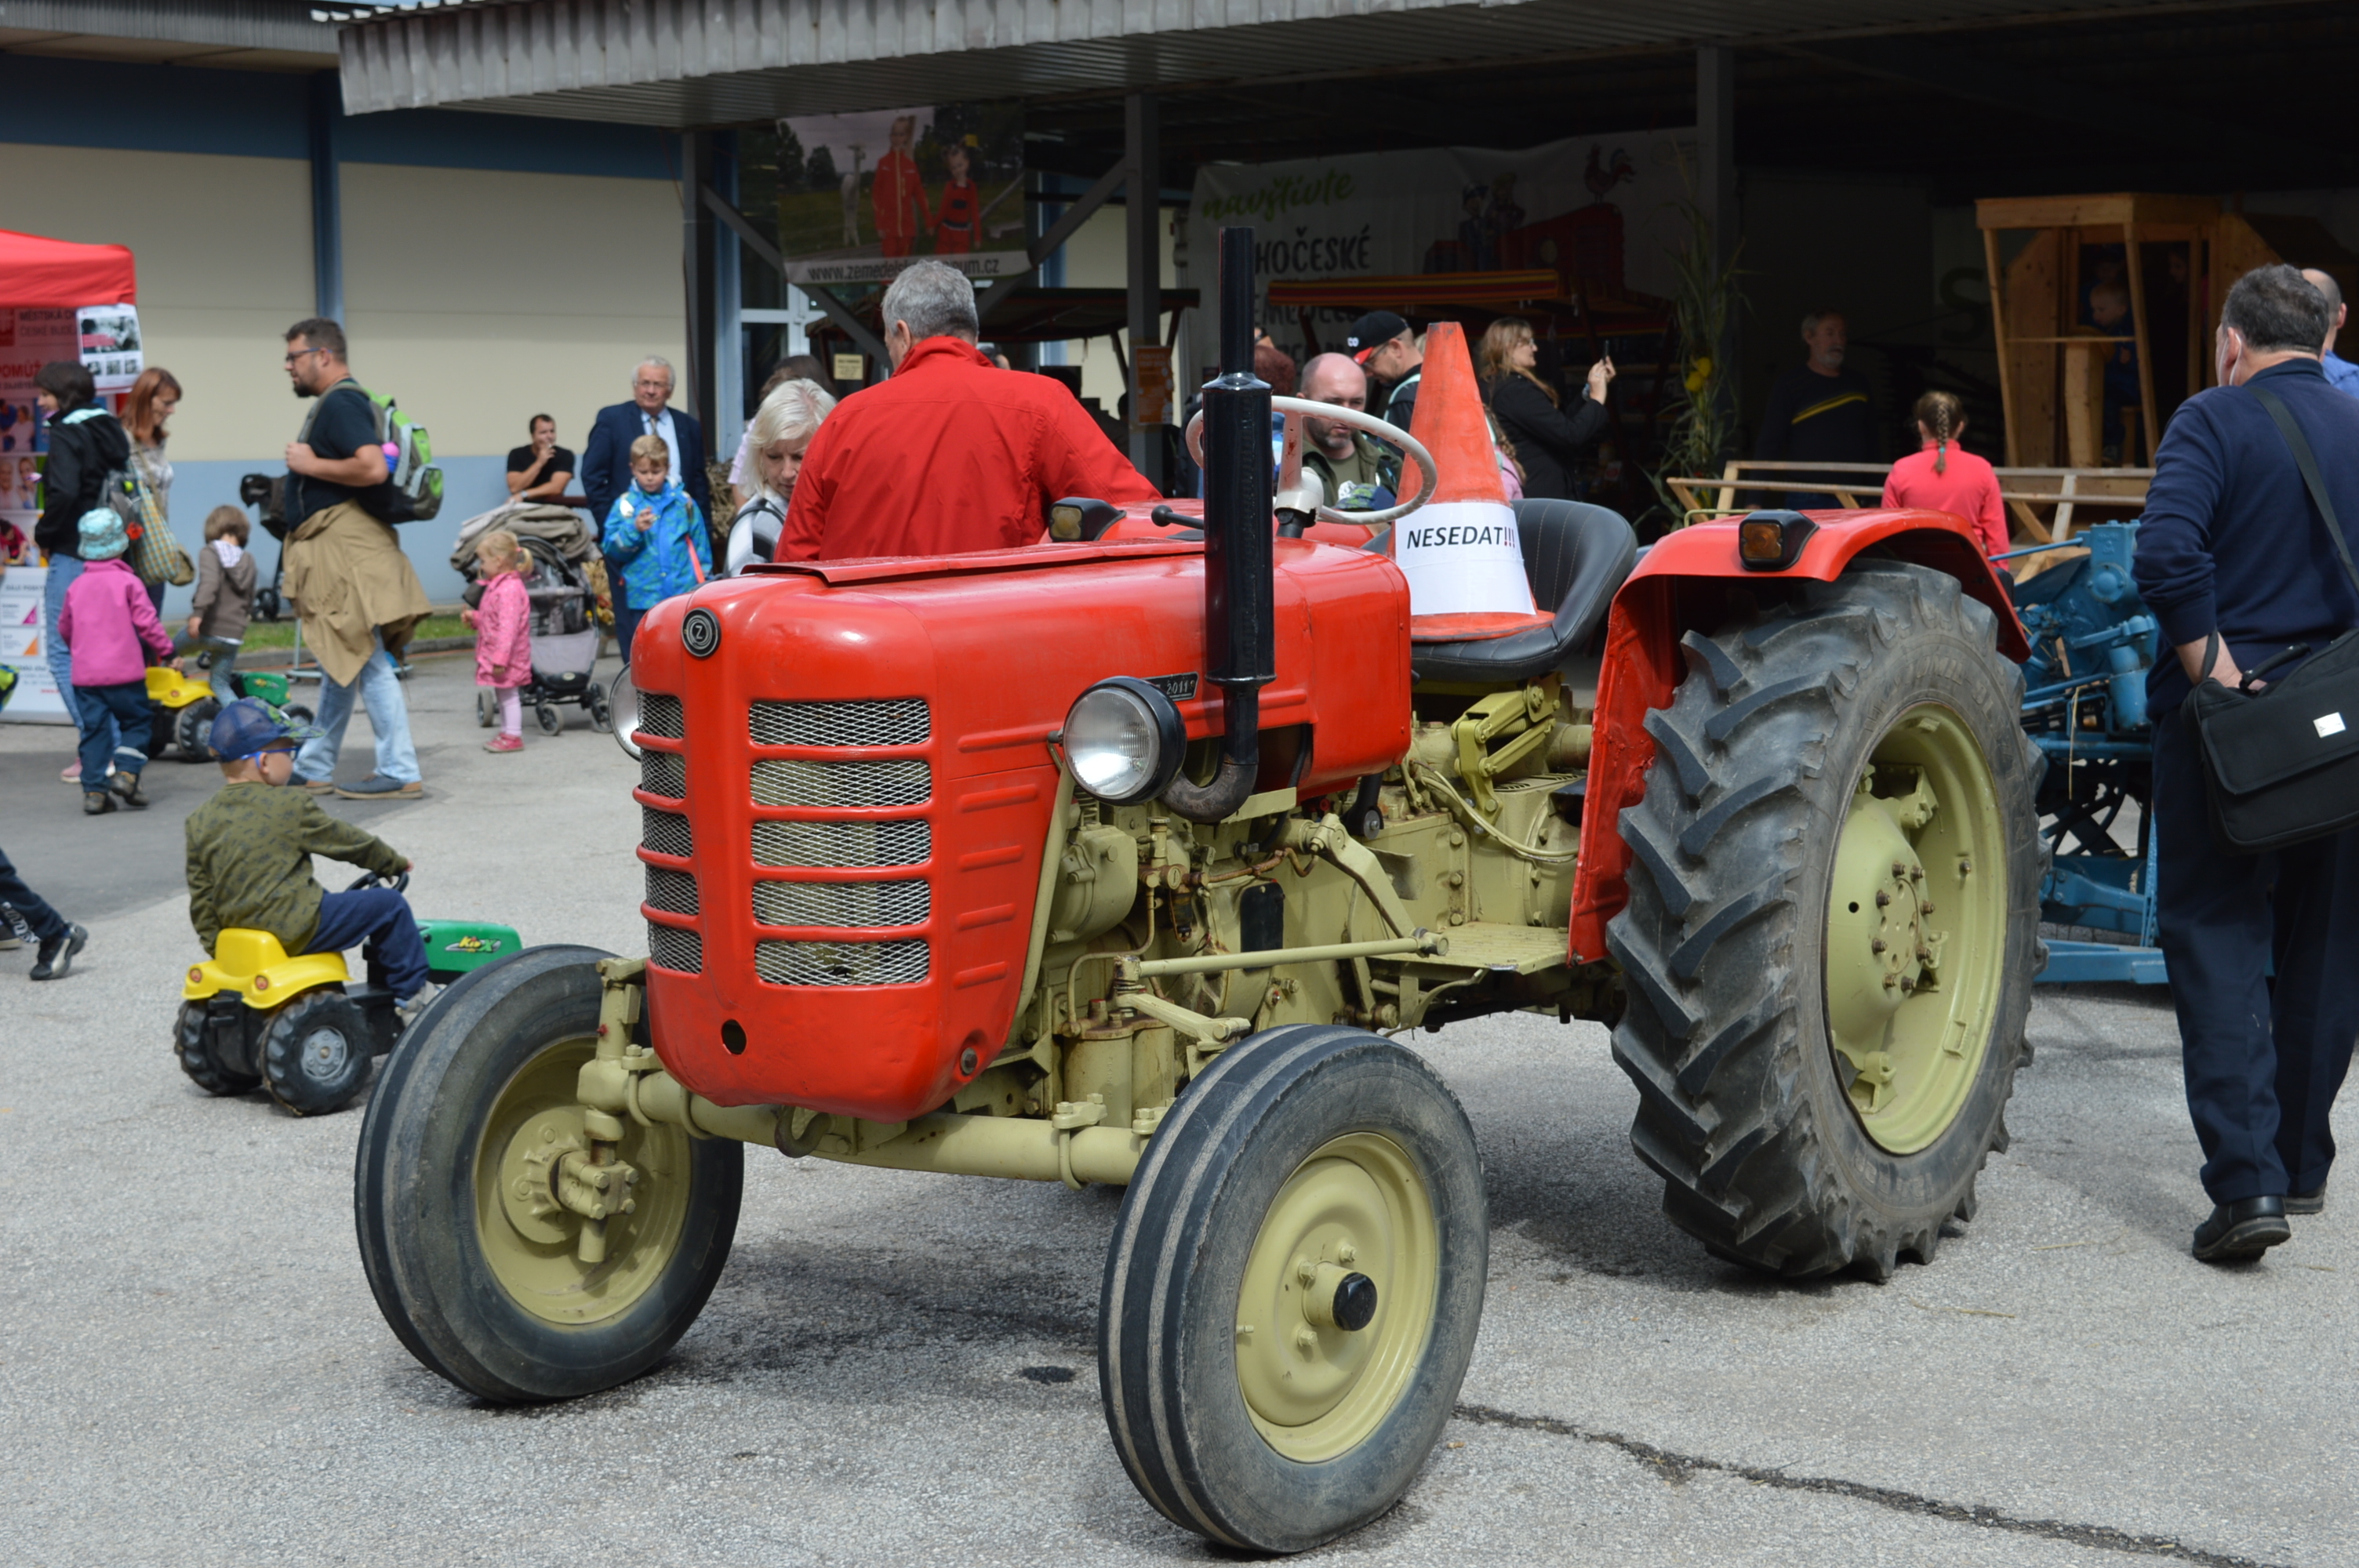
{"x":399,"y":883}
{"x":1294,"y":408}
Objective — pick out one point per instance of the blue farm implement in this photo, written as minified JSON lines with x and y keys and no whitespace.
{"x":2084,"y":706}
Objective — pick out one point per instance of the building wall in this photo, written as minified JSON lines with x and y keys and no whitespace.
{"x":494,"y":267}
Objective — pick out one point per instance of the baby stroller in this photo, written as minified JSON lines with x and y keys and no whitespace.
{"x":565,"y":629}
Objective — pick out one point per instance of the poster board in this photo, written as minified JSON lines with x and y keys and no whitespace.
{"x":862,"y":195}
{"x":1455,"y":209}
{"x":23,"y":649}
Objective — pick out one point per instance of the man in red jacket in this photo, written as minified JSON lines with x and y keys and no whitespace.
{"x":951,"y":453}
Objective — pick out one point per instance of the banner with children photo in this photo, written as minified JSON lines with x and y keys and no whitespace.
{"x":29,"y":338}
{"x":860,"y":196}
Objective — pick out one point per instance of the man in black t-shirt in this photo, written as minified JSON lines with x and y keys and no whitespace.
{"x":1821,"y":411}
{"x":355,"y":593}
{"x":540,"y":470}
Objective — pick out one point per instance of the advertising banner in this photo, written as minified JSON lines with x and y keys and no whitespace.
{"x":862,"y":196}
{"x":28,"y":340}
{"x":1601,"y":209}
{"x":22,"y":649}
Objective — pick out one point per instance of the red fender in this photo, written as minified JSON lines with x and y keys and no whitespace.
{"x":1682,"y":586}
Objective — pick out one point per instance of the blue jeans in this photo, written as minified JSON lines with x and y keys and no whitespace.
{"x":224,"y":665}
{"x":626,"y":626}
{"x":380,"y":692}
{"x":63,"y":569}
{"x":396,"y":954}
{"x":114,"y":722}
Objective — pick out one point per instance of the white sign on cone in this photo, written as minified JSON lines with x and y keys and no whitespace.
{"x":1463,"y":557}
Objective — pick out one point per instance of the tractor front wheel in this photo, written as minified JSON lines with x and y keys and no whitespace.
{"x":1293,"y":1288}
{"x":1832,"y":924}
{"x":482,"y":1271}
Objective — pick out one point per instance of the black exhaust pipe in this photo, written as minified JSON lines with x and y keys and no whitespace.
{"x":1240,"y":637}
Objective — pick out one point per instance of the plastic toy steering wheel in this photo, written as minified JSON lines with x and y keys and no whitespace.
{"x":399,"y":883}
{"x":1337,"y":414}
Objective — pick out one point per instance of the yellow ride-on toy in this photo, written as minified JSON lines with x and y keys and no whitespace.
{"x":186,"y":707}
{"x":253,"y":1017}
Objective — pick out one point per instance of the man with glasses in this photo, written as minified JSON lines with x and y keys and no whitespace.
{"x":355,"y":593}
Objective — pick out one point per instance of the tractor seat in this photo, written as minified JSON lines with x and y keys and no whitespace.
{"x":1575,"y":557}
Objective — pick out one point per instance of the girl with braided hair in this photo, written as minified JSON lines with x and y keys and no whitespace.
{"x":1942,"y":476}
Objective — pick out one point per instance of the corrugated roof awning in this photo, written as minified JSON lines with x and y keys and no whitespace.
{"x":688,"y":63}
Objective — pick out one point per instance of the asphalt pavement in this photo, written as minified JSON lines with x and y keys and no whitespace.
{"x":900,"y":1367}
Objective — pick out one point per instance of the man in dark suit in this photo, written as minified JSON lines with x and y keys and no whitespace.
{"x":606,"y":461}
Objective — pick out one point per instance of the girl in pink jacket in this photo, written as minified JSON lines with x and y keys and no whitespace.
{"x":503,"y":625}
{"x":110,"y":626}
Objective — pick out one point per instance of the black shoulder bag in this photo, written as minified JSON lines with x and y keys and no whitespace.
{"x":2282,"y":762}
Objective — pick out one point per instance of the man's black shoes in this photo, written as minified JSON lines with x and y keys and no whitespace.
{"x":2307,"y":1203}
{"x":55,"y":956}
{"x":2240,"y":1232}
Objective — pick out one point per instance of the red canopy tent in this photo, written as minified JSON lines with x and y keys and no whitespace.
{"x":36,"y":272}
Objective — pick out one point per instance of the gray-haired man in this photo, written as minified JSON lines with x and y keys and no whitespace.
{"x":606,"y":459}
{"x":951,"y":453}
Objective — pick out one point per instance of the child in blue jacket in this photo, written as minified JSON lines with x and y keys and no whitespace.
{"x":658,"y":535}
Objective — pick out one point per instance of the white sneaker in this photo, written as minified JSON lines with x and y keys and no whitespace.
{"x":407,"y":1011}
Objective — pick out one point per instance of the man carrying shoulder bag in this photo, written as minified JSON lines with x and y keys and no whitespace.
{"x":2241,"y":565}
{"x":354,"y":591}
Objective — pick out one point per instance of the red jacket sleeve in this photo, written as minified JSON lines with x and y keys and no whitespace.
{"x":1993,"y":519}
{"x":1077,"y":459}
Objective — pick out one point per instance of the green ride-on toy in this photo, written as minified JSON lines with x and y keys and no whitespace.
{"x":186,"y":707}
{"x":253,"y":1017}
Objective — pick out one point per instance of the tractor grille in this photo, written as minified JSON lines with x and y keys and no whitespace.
{"x":664,"y":773}
{"x":840,"y":963}
{"x":843,"y":785}
{"x":841,"y":905}
{"x":670,"y":947}
{"x":896,"y":721}
{"x":838,"y":843}
{"x":667,"y":833}
{"x":659,"y":717}
{"x":674,"y":892}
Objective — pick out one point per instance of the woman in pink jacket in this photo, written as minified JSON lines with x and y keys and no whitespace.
{"x":110,"y":626}
{"x":503,"y":625}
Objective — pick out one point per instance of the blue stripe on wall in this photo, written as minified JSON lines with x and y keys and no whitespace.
{"x":470,"y":485}
{"x":247,"y":114}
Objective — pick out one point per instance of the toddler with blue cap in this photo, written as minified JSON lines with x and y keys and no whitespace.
{"x":250,"y":849}
{"x":109,"y":625}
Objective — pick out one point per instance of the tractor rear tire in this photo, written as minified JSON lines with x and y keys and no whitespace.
{"x":486,"y":1291}
{"x":1790,"y":1135}
{"x":1311,"y":1167}
{"x":316,"y":1052}
{"x":192,"y":1043}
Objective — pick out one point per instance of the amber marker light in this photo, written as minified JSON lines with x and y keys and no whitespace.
{"x":1772,"y":541}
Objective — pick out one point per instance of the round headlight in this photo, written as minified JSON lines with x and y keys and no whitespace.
{"x":622,"y":702}
{"x":1125,"y":741}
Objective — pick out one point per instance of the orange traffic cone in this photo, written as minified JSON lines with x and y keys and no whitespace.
{"x":1460,"y":551}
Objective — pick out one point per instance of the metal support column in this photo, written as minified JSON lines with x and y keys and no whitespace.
{"x":1716,"y":176}
{"x":327,"y":113}
{"x":1142,"y":183}
{"x":695,"y":390}
{"x":725,"y":418}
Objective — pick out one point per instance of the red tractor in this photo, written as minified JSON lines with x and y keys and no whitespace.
{"x":1117,"y":857}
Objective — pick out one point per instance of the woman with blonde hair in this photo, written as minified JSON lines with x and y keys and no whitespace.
{"x":781,"y":432}
{"x":1546,"y":440}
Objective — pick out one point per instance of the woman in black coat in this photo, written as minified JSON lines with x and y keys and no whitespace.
{"x":1548,"y":441}
{"x":85,"y":444}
